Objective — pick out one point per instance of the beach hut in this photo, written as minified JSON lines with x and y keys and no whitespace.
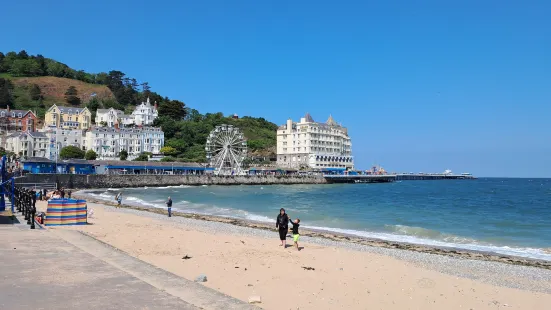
{"x":66,"y":212}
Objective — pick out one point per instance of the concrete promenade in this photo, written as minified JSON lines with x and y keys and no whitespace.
{"x":65,"y":269}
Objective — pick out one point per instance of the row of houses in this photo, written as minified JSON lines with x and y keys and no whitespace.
{"x":81,"y":118}
{"x":112,"y":133}
{"x":106,"y":142}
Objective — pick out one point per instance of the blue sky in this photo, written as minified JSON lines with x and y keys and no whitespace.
{"x":423,"y":86}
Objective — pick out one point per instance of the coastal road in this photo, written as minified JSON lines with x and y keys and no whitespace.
{"x":48,"y":269}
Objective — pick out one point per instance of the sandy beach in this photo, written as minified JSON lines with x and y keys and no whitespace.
{"x":325,"y":274}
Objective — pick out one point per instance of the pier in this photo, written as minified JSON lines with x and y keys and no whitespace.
{"x":330,"y":178}
{"x":433,"y":176}
{"x":386,"y":178}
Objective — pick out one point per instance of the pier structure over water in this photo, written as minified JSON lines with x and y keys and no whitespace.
{"x":386,"y":178}
{"x":433,"y":176}
{"x":349,"y":178}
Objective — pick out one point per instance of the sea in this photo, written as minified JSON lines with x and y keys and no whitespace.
{"x":500,"y":215}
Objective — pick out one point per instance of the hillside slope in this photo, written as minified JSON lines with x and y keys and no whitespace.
{"x":54,"y":88}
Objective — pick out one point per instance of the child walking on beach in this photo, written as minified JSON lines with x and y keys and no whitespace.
{"x":119,"y":199}
{"x":295,"y":231}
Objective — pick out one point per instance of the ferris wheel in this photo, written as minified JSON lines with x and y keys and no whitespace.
{"x":226,"y":149}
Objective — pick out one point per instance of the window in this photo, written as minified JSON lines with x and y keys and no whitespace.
{"x":19,"y":115}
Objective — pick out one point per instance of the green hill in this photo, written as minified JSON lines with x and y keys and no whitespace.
{"x":34,"y":82}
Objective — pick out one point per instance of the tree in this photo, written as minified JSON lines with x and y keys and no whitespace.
{"x":174,"y":109}
{"x":101,"y":78}
{"x":111,"y":103}
{"x":193,"y":115}
{"x":91,"y":155}
{"x":169,"y":151}
{"x":6,"y":97}
{"x":22,"y":54}
{"x":169,"y":126}
{"x":71,"y":151}
{"x":93,"y":105}
{"x":54,"y":68}
{"x":35,"y":92}
{"x":80,"y":75}
{"x":142,"y":157}
{"x":123,"y":155}
{"x":41,"y":61}
{"x":71,"y":96}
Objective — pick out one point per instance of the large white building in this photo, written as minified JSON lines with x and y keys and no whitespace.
{"x":28,"y":144}
{"x":314,"y":145}
{"x":109,"y":117}
{"x":108,"y":142}
{"x":145,"y":113}
{"x":59,"y":138}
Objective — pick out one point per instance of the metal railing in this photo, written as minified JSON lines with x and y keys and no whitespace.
{"x":24,"y":200}
{"x":37,"y":186}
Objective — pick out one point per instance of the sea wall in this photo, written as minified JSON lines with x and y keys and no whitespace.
{"x":117,"y":181}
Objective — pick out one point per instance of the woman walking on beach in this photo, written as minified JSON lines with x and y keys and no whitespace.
{"x":282,"y":222}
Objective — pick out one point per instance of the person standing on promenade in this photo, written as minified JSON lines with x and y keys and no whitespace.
{"x":62,"y":192}
{"x":69,"y":194}
{"x":282,"y":222}
{"x":169,"y":206}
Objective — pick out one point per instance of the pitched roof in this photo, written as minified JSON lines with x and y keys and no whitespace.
{"x":107,"y":110}
{"x":331,"y":121}
{"x":33,"y":134}
{"x":66,"y":109}
{"x":37,"y":134}
{"x":23,"y":112}
{"x":309,"y":118}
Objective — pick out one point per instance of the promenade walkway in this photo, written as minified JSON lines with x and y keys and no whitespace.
{"x":65,"y":269}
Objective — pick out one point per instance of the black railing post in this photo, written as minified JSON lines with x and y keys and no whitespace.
{"x":33,"y":209}
{"x":22,"y":201}
{"x":28,"y":207}
{"x":17,"y":199}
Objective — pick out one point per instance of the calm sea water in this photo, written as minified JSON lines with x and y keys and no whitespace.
{"x":509,"y":216}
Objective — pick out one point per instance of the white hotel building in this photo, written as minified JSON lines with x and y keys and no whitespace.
{"x":143,"y":115}
{"x":314,"y":145}
{"x":108,"y":142}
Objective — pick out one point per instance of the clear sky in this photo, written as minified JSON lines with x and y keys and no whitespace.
{"x":421,"y":85}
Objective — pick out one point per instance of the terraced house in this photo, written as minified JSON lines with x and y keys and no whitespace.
{"x":28,"y":144}
{"x":68,"y":118}
{"x":17,"y":120}
{"x":108,"y":142}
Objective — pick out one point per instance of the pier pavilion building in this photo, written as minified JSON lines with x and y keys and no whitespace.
{"x":310,"y":144}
